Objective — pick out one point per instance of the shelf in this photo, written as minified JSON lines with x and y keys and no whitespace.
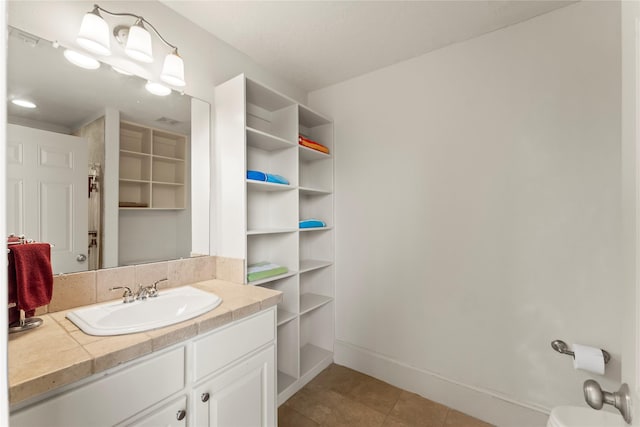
{"x":309,"y":302}
{"x":267,"y":186}
{"x":271,"y":231}
{"x":310,"y":118}
{"x":284,"y":381}
{"x":265,"y":97}
{"x":310,"y":155}
{"x":168,"y":184}
{"x":134,"y":154}
{"x":307,"y":191}
{"x":265,"y":141}
{"x":168,"y":159}
{"x":312,"y":356}
{"x":153,"y":168}
{"x":261,"y":134}
{"x":135,"y":181}
{"x":317,"y":229}
{"x":146,"y":209}
{"x":272,"y":278}
{"x":285,"y":316}
{"x":312,"y":264}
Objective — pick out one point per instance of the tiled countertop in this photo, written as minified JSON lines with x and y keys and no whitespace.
{"x":58,"y":353}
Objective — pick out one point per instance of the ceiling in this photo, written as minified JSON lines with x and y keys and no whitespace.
{"x":314,"y":44}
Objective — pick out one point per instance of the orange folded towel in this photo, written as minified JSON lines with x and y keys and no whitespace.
{"x":312,"y":144}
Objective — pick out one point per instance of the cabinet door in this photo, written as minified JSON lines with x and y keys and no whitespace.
{"x":170,"y":415}
{"x":112,"y":398}
{"x":242,"y":396}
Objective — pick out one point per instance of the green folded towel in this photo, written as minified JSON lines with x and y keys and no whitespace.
{"x":264,"y":269}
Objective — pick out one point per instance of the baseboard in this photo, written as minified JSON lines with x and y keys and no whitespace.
{"x":485,"y":405}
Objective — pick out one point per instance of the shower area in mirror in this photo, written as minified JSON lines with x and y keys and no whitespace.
{"x":95,"y":134}
{"x":94,"y":216}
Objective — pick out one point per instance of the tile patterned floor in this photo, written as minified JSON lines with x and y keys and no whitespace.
{"x":340,"y":396}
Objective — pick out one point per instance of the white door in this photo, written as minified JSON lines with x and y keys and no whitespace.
{"x":630,"y":165}
{"x":47,"y":193}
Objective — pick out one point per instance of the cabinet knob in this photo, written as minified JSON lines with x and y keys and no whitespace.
{"x":204,"y":397}
{"x":181,"y":414}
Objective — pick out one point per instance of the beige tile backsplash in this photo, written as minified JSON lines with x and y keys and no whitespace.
{"x":78,"y":289}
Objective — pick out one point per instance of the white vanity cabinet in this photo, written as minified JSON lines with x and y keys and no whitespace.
{"x":234,"y":364}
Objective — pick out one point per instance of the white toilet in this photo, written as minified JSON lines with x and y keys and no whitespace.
{"x":575,"y":416}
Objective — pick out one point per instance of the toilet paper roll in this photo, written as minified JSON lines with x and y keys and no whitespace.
{"x":588,"y":359}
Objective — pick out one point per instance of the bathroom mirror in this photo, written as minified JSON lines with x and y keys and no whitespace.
{"x":75,"y":101}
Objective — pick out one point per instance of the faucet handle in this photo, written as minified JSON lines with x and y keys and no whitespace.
{"x":127,"y":296}
{"x":155,"y":284}
{"x":153,"y":289}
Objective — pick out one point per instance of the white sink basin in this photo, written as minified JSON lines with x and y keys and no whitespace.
{"x":169,"y":307}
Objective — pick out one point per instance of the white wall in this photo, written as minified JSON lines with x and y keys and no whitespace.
{"x":478,"y":215}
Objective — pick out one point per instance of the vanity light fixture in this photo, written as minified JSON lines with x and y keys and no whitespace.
{"x":81,"y":60}
{"x":94,"y":36}
{"x":23,"y":103}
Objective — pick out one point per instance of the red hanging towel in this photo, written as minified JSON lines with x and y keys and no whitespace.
{"x":30,"y":270}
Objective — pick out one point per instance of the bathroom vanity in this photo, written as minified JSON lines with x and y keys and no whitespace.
{"x":215,"y":369}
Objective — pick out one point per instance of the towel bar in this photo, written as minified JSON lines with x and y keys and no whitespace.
{"x":24,"y":324}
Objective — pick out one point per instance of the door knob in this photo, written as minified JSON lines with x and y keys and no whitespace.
{"x":204,"y":397}
{"x":81,"y":258}
{"x":596,"y":398}
{"x":181,"y":414}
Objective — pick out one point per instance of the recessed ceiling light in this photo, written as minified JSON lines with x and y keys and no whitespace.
{"x":23,"y":103}
{"x":81,"y":60}
{"x":157,"y":89}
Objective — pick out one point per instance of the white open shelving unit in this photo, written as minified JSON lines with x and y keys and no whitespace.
{"x":152,"y":168}
{"x":257,"y":129}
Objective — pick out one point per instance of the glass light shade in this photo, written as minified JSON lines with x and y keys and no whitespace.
{"x":81,"y":60}
{"x":94,"y":34}
{"x":139,"y":43}
{"x":173,"y":70}
{"x":157,"y":88}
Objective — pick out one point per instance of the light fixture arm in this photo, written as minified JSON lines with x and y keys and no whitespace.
{"x":172,"y":46}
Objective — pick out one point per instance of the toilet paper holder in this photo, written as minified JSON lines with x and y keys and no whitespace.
{"x":562,"y":347}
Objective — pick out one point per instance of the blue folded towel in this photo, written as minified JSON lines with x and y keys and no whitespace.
{"x":256,"y":175}
{"x":277,"y":179}
{"x":266,"y":177}
{"x":312,"y":223}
